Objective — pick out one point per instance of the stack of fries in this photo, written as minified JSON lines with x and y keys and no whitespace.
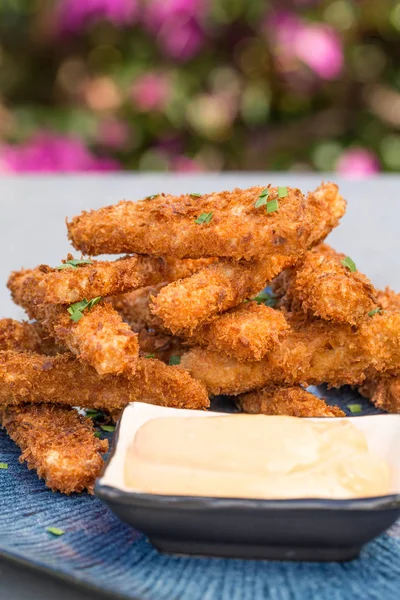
{"x":184,"y":318}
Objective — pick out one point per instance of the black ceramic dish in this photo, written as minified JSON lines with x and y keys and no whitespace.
{"x":303,"y":529}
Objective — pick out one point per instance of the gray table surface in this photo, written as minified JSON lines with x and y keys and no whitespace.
{"x":32,"y":231}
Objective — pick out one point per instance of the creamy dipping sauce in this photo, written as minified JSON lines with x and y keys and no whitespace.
{"x":254,"y":456}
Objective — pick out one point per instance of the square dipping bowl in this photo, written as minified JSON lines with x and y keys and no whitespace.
{"x":307,"y":529}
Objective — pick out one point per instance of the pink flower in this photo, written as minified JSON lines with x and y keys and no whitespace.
{"x":73,"y":15}
{"x":114,"y":133}
{"x":177,"y":24}
{"x":357,"y":162}
{"x":151,"y":92}
{"x":184,"y":164}
{"x":51,"y":153}
{"x":314,"y":44}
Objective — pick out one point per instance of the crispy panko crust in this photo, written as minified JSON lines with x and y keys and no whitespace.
{"x":161,"y":345}
{"x":134,"y":308}
{"x":186,"y":304}
{"x":102,"y":278}
{"x":246,"y":332}
{"x":321,"y":285}
{"x":388,"y":299}
{"x":58,"y":443}
{"x":65,"y":380}
{"x":291,"y":401}
{"x":166,"y":225}
{"x":100,"y":337}
{"x":313,"y":352}
{"x":22,"y":336}
{"x":383,"y":392}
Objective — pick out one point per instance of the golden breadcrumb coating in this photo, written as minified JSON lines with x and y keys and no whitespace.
{"x":186,"y":304}
{"x":166,"y":225}
{"x":63,"y":379}
{"x":101,"y":278}
{"x":58,"y":443}
{"x":388,"y":299}
{"x":100,"y":337}
{"x":322,"y":285}
{"x":134,"y":308}
{"x":290,"y":401}
{"x":313,"y":352}
{"x":189,"y":303}
{"x":384,"y":392}
{"x":160,"y":345}
{"x":22,"y":336}
{"x":246,"y":332}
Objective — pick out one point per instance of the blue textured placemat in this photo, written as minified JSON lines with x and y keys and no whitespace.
{"x":98,"y":550}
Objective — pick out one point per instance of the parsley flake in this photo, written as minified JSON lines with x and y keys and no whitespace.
{"x":282,"y":192}
{"x":262,"y":198}
{"x":108,"y":427}
{"x":204,"y":218}
{"x":265,"y":298}
{"x":349,"y":264}
{"x":73,"y":263}
{"x":272,"y":206}
{"x":3,"y":465}
{"x":55,"y":530}
{"x":97,"y":434}
{"x":151,"y":197}
{"x":150,"y":355}
{"x":374,"y":312}
{"x":355,"y":409}
{"x":174,"y":360}
{"x":76,"y":309}
{"x":195,"y":195}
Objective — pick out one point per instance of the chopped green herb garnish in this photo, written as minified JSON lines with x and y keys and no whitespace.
{"x":272,"y":206}
{"x":97,"y":434}
{"x":150,"y":356}
{"x":74,"y":263}
{"x":374,"y":312}
{"x":3,"y":465}
{"x":204,"y":218}
{"x":94,"y":414}
{"x":151,"y":197}
{"x":262,"y":198}
{"x":355,"y":409}
{"x":350,"y":264}
{"x":266,"y":298}
{"x":174,"y":360}
{"x":76,"y":309}
{"x":55,"y":530}
{"x":195,"y":195}
{"x":108,"y":427}
{"x":282,"y":192}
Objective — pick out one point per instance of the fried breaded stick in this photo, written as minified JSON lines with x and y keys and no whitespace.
{"x":160,"y":345}
{"x":22,"y":336}
{"x":184,"y":305}
{"x":55,"y":440}
{"x":291,"y":401}
{"x":246,"y":332}
{"x":58,"y":443}
{"x":134,"y":308}
{"x":314,"y":352}
{"x":65,"y":380}
{"x":101,"y":278}
{"x":224,"y":224}
{"x":100,"y":337}
{"x":323,"y":286}
{"x":384,"y":392}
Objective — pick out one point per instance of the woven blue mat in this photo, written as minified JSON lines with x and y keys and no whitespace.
{"x":100,"y":551}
